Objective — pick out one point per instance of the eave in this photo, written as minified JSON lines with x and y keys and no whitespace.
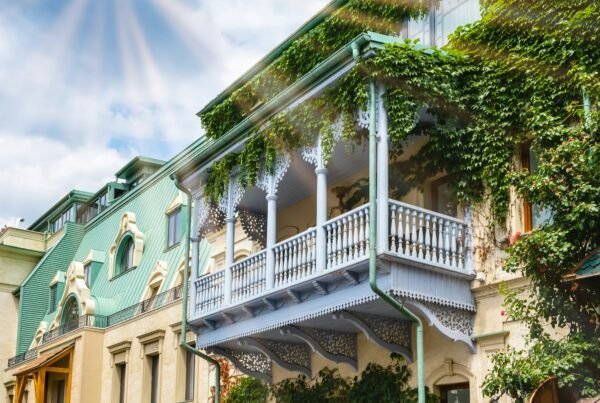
{"x":365,"y":42}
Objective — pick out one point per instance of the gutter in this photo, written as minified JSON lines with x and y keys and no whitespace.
{"x":184,"y":297}
{"x":373,"y":241}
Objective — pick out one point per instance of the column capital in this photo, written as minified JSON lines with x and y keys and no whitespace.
{"x":319,"y":171}
{"x":271,"y":197}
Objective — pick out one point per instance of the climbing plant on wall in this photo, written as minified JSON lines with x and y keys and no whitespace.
{"x":516,"y":77}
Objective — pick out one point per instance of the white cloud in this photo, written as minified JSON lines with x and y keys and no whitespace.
{"x":64,"y":127}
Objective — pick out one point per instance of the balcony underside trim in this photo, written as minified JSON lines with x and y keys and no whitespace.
{"x":290,"y":356}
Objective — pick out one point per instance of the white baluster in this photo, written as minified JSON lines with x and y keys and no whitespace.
{"x":420,"y":240}
{"x":407,"y":239}
{"x":427,"y":235}
{"x":344,"y":224}
{"x":393,"y":228}
{"x":351,"y":255}
{"x":446,"y":242}
{"x":303,"y":261}
{"x":415,"y":245}
{"x":453,"y":245}
{"x":400,"y":223}
{"x":434,"y":238}
{"x":284,"y":277}
{"x":361,"y":238}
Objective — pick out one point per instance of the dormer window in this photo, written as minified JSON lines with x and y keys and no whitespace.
{"x":87,"y":274}
{"x":53,"y":290}
{"x":125,"y":255}
{"x":174,"y":227}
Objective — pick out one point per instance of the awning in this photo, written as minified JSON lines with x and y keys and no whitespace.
{"x":37,"y":369}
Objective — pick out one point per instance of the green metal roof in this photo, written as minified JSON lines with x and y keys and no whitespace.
{"x":53,"y":212}
{"x":590,"y":266}
{"x":136,"y":163}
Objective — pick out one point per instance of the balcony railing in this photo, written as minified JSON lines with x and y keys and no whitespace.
{"x":99,"y":321}
{"x":414,"y":234}
{"x":82,"y":321}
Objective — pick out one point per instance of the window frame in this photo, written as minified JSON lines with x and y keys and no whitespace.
{"x":52,"y":304}
{"x":126,"y":245}
{"x":190,"y":376}
{"x":174,"y":237}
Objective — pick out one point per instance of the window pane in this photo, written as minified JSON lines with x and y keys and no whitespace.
{"x":122,"y":371}
{"x":87,"y":274}
{"x":452,"y":14}
{"x":190,"y":370}
{"x":539,"y":216}
{"x":154,"y":379}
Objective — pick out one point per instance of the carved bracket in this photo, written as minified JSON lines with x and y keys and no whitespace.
{"x":334,"y":346}
{"x":269,"y":181}
{"x":454,"y":323}
{"x":392,"y":334}
{"x":254,"y":364}
{"x":290,"y":356}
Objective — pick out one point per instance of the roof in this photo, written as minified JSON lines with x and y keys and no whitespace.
{"x":44,"y":359}
{"x":71,"y":197}
{"x":275,"y":53}
{"x":587,"y":267}
{"x":364,"y":42}
{"x":136,"y":163}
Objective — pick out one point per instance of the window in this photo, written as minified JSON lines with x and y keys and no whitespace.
{"x":52,"y":307}
{"x":59,"y":223}
{"x":458,"y":393}
{"x":87,"y":274}
{"x":190,"y":374}
{"x":70,"y":313}
{"x":125,"y":256}
{"x":442,"y":21}
{"x":534,"y":216}
{"x":60,"y":391}
{"x":443,"y":197}
{"x":174,"y":230}
{"x":154,"y":362}
{"x":121,"y":373}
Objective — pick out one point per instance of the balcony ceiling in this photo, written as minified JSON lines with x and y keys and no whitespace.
{"x":300,"y":182}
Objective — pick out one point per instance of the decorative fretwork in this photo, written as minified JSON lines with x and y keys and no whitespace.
{"x":291,"y":356}
{"x":269,"y":181}
{"x":390,"y":330}
{"x":454,"y":319}
{"x":252,"y":364}
{"x":254,"y":225}
{"x":228,"y":202}
{"x":331,"y":345}
{"x":333,"y":342}
{"x":294,"y":353}
{"x":208,"y":217}
{"x":314,"y":154}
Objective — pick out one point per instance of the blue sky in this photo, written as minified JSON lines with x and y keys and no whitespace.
{"x":85,"y":85}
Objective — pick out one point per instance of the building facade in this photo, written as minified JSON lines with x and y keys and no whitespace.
{"x":281,"y":272}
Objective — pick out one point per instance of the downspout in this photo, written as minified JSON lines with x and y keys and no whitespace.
{"x":587,"y":109}
{"x":373,"y":239}
{"x":184,"y":297}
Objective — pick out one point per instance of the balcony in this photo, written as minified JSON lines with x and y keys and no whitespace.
{"x":310,"y":291}
{"x":423,"y":261}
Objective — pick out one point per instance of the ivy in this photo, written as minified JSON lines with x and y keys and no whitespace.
{"x":356,"y":17}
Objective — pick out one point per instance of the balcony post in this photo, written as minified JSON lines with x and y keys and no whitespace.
{"x":382,"y":174}
{"x":321,"y":238}
{"x":229,"y":240}
{"x":271,"y":239}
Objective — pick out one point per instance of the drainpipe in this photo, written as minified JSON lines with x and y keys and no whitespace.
{"x":373,"y":240}
{"x":184,"y":297}
{"x":587,"y":109}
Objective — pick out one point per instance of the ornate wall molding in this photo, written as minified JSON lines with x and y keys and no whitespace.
{"x":128,"y":225}
{"x":75,"y":286}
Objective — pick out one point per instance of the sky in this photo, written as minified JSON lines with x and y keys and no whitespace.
{"x":86,"y":85}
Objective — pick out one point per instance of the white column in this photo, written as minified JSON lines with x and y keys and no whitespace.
{"x":271,"y":238}
{"x":229,"y":241}
{"x":382,"y":175}
{"x":321,"y":246}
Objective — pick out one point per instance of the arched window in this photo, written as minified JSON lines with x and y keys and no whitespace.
{"x":70,"y":312}
{"x":125,"y":256}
